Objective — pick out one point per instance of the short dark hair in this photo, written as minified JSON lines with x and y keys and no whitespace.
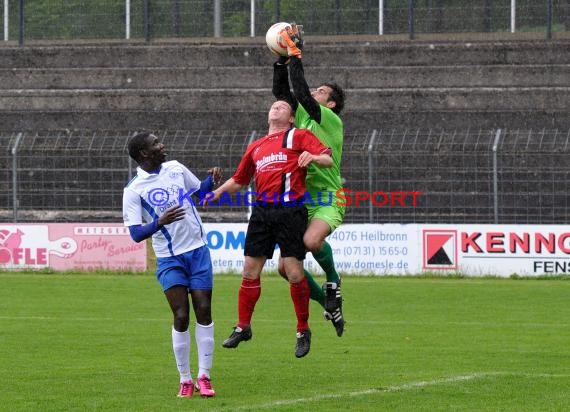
{"x":291,"y":102}
{"x":337,"y":96}
{"x":137,"y":143}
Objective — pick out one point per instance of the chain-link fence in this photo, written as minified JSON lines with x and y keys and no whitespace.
{"x":147,"y":19}
{"x":398,"y":176}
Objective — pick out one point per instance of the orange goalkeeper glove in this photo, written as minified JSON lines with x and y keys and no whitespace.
{"x":293,"y":37}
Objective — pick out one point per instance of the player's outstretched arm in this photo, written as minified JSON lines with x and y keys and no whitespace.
{"x":281,"y":89}
{"x":301,"y":89}
{"x":230,"y":186}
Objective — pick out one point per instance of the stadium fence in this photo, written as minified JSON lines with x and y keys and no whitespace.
{"x":154,"y":19}
{"x":459,"y":176}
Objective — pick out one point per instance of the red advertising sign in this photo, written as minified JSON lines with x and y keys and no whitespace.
{"x":70,"y":246}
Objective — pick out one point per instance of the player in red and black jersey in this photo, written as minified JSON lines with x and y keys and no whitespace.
{"x":278,"y":163}
{"x":319,"y":111}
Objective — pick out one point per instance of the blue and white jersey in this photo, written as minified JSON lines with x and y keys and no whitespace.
{"x":147,"y":196}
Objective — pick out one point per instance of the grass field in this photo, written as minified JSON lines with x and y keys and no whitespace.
{"x":78,"y":342}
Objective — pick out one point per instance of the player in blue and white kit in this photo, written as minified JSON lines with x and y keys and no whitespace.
{"x":158,"y":202}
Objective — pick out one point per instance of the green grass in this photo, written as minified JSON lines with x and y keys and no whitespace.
{"x":78,"y":342}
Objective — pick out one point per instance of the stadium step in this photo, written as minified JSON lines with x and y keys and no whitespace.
{"x":379,"y":77}
{"x":227,"y":84}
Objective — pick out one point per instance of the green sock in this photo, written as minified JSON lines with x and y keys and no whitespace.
{"x":325,"y":260}
{"x":316,"y":290}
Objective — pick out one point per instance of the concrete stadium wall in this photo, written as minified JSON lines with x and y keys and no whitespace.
{"x":227,"y":85}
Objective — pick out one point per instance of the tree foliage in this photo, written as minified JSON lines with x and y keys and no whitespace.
{"x":66,"y":19}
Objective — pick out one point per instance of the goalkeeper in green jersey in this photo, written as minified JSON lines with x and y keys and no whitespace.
{"x":317,"y":111}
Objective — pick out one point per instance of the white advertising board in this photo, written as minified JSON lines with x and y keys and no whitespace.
{"x":391,"y":249}
{"x":70,"y":246}
{"x":501,"y":250}
{"x":358,"y":249}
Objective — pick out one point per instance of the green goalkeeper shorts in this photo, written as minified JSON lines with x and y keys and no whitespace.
{"x":333,"y":214}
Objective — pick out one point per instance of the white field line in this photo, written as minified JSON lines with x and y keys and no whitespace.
{"x":389,"y":389}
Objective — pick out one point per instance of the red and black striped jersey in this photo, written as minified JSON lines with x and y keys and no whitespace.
{"x":272,"y":161}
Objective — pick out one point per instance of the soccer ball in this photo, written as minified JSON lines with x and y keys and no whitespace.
{"x":274,"y":41}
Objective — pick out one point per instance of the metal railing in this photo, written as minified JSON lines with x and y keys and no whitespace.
{"x":459,"y":176}
{"x":25,"y":20}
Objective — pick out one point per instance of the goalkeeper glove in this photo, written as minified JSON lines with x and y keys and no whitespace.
{"x":293,"y":37}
